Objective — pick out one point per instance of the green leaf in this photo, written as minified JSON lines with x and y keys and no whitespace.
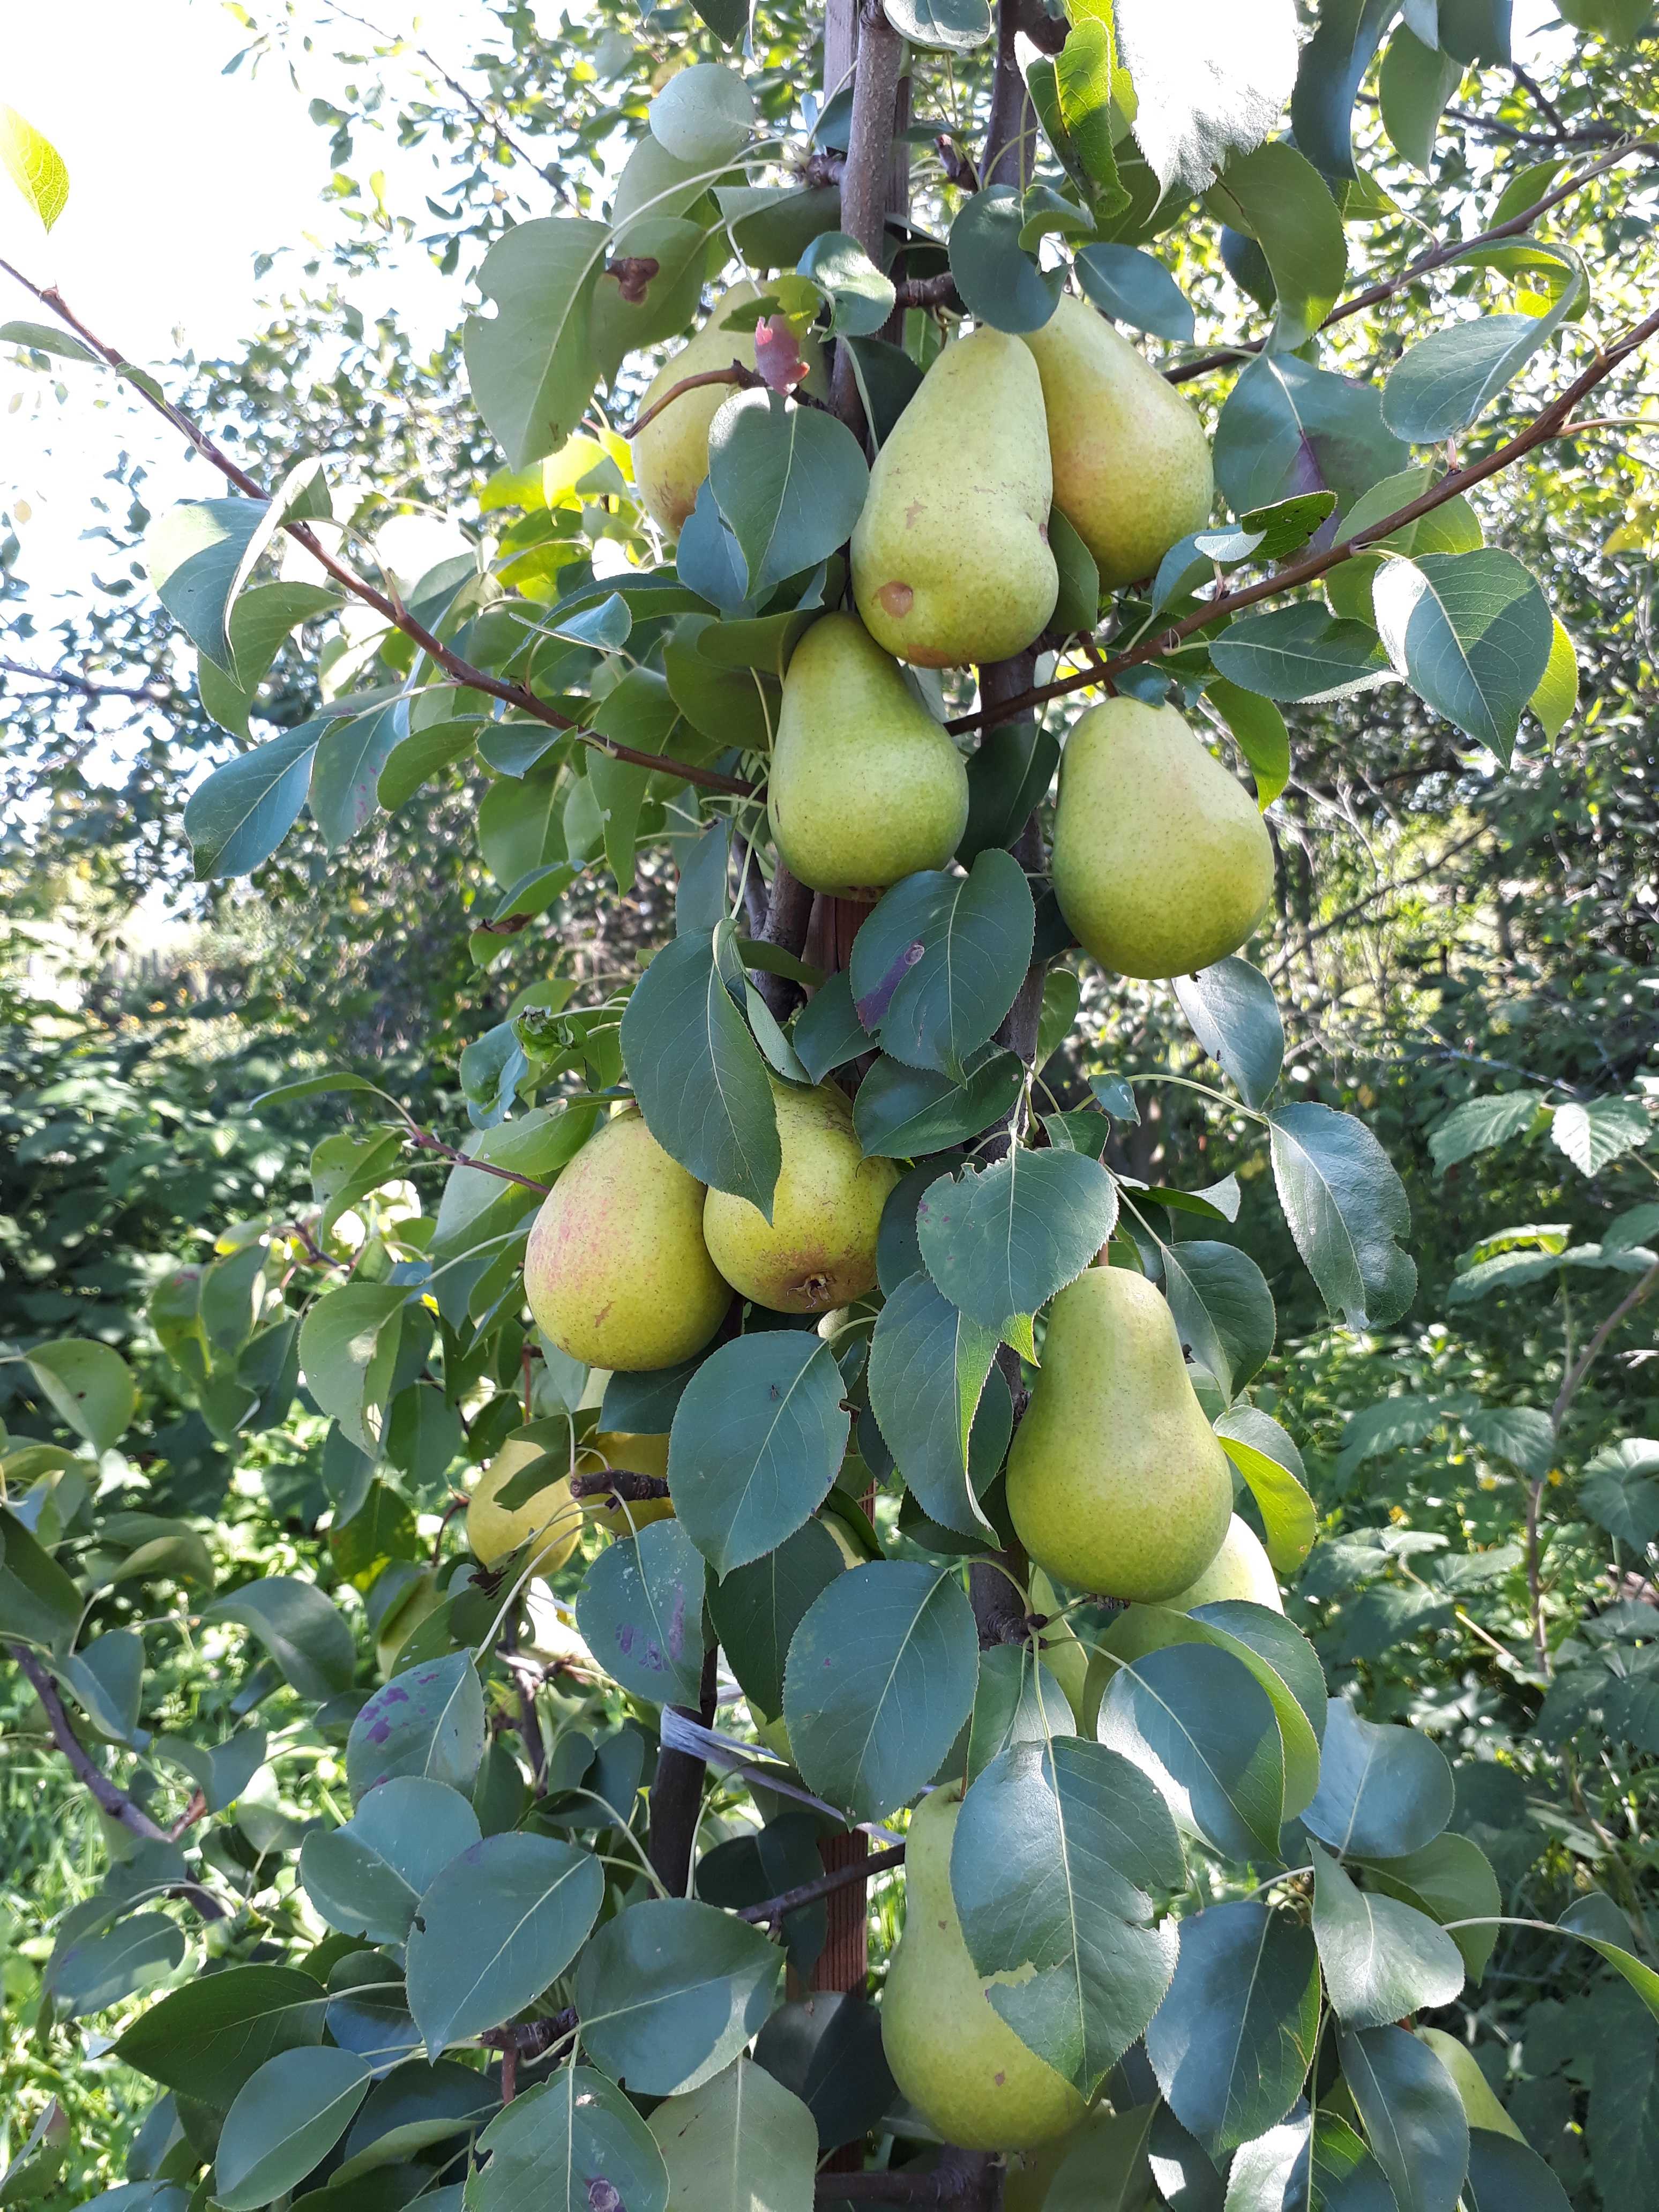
{"x":1523,"y":1435}
{"x":42,"y":337}
{"x":532,"y":364}
{"x":1439,"y":386}
{"x":1299,"y":652}
{"x":34,"y":166}
{"x":1450,"y":1880}
{"x":236,"y":818}
{"x":208,"y":2039}
{"x":940,"y":962}
{"x":1557,"y":693}
{"x":198,"y":555}
{"x":1088,"y":79}
{"x":1594,"y":1134}
{"x":1000,"y":282}
{"x":572,"y":2144}
{"x":409,"y":2110}
{"x":1059,"y":1850}
{"x":1382,"y":1957}
{"x":106,"y":1676}
{"x":88,"y":1385}
{"x":1472,"y":634}
{"x":1232,"y":2041}
{"x":1223,"y":1310}
{"x":1004,"y":1239}
{"x":495,"y":1928}
{"x":300,"y":1628}
{"x":757,"y":1438}
{"x":427,"y":1722}
{"x":1507,"y":2176}
{"x":1106,"y":2168}
{"x":756,"y":1609}
{"x":1481,"y":1124}
{"x":903,"y":1114}
{"x":1413,"y":84}
{"x":1617,"y":1494}
{"x":1329,"y":75}
{"x":1288,"y":427}
{"x":1258,"y":730}
{"x":367,"y":1876}
{"x":1019,"y":1700}
{"x":1196,"y":1720}
{"x":927,"y":1367}
{"x":704,"y":115}
{"x":742,"y":2138}
{"x":1278,"y":198}
{"x":260,"y":622}
{"x":284,"y":2121}
{"x":880,"y":1680}
{"x":1078,"y":608}
{"x":954,"y":26}
{"x":1413,"y":2115}
{"x":640,"y":1610}
{"x":1232,"y":1010}
{"x":345,"y":770}
{"x":790,"y":481}
{"x":349,"y":1349}
{"x":1346,"y":1208}
{"x":105,"y":1969}
{"x":1132,"y":288}
{"x":1451,"y":527}
{"x":671,"y":1991}
{"x":1383,"y":1791}
{"x":861,"y":295}
{"x":698,"y":1074}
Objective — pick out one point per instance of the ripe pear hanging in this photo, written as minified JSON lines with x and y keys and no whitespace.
{"x":818,"y":1250}
{"x":617,"y":1273}
{"x":671,"y":454}
{"x":951,"y":559}
{"x":865,"y":786}
{"x":1241,"y":1569}
{"x":1162,"y":862}
{"x":951,"y":2053}
{"x":1116,"y":1482}
{"x":1131,"y":464}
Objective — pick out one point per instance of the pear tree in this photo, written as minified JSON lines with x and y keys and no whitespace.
{"x":873,"y":1451}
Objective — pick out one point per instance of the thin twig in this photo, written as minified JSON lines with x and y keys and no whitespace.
{"x":809,"y":1893}
{"x":461,"y":672}
{"x":148,"y":694}
{"x":746,"y":380}
{"x":424,"y":1141}
{"x":1544,"y":426}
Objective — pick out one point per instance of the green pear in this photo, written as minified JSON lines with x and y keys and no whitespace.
{"x":1481,"y":2105}
{"x":617,"y":1273}
{"x":1132,"y":464}
{"x":951,"y":559}
{"x":1057,"y":1648}
{"x":865,"y":786}
{"x":818,"y":1250}
{"x":951,"y":2053}
{"x":1241,"y":1569}
{"x":671,"y":454}
{"x":1116,"y":1482}
{"x":1162,"y":863}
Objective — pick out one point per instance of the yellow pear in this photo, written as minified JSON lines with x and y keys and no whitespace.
{"x":1132,"y":464}
{"x":1482,"y":2107}
{"x":640,"y":1455}
{"x":1162,"y":863}
{"x":494,"y":1530}
{"x":951,"y":2053}
{"x":818,"y":1250}
{"x":617,"y":1273}
{"x":951,"y":559}
{"x":1115,"y":1482}
{"x":865,"y":786}
{"x":671,"y":454}
{"x":1241,"y":1569}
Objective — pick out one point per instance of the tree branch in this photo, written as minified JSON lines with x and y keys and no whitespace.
{"x":677,"y":1797}
{"x":148,"y":694}
{"x":809,"y":1893}
{"x":424,"y":1141}
{"x":1550,"y":423}
{"x":397,"y":616}
{"x":746,"y":380}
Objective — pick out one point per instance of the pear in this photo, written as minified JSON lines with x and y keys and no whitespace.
{"x":671,"y":454}
{"x":818,"y":1250}
{"x":494,"y":1530}
{"x":617,"y":1273}
{"x":1132,"y":464}
{"x":1115,"y":1482}
{"x":951,"y":559}
{"x":1162,"y":863}
{"x":1481,"y":2105}
{"x":1057,"y":1648}
{"x":865,"y":786}
{"x":1241,"y":1569}
{"x":951,"y":2053}
{"x":640,"y":1455}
